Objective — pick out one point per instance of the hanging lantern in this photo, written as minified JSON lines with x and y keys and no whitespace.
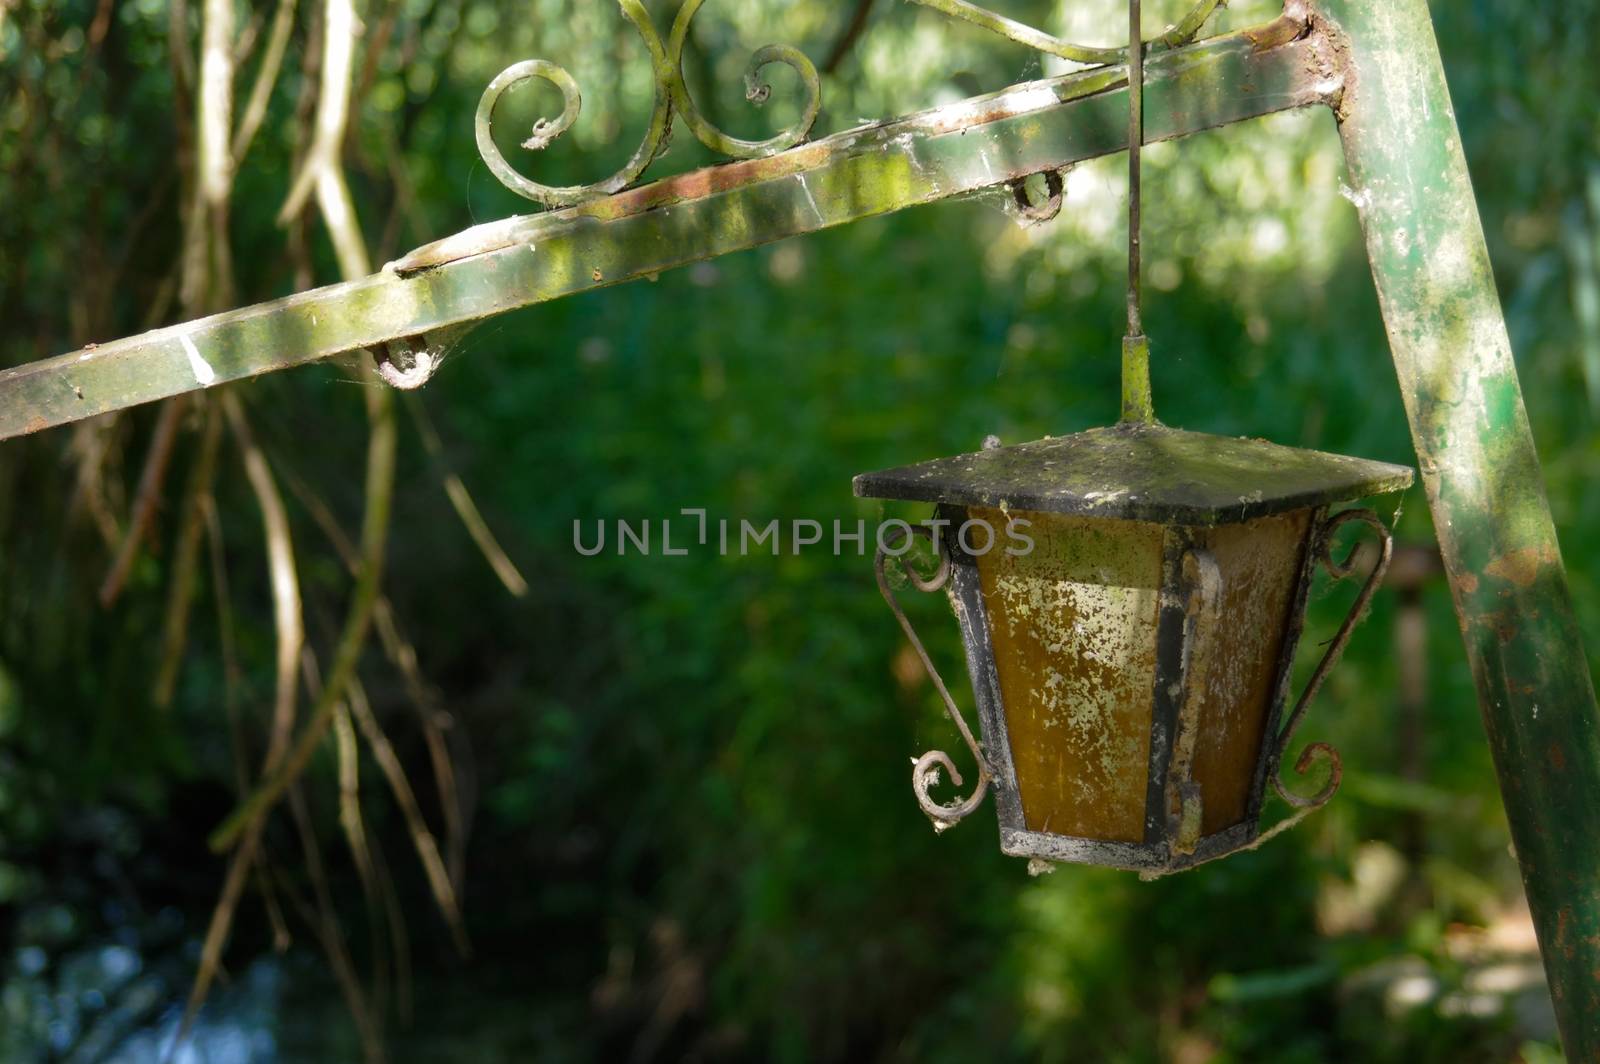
{"x":1130,"y":600}
{"x":1131,"y":605}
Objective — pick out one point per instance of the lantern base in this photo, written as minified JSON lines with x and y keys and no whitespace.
{"x":1156,"y":857}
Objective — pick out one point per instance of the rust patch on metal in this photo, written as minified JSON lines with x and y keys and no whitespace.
{"x":1330,"y":59}
{"x":1074,"y":629}
{"x":700,"y":184}
{"x":1235,"y":673}
{"x":1522,"y":567}
{"x":1293,"y":25}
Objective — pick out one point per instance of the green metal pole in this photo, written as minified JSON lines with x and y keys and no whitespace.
{"x":1476,"y":452}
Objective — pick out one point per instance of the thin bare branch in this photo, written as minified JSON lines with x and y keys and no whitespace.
{"x":178,"y":49}
{"x":217,"y":932}
{"x":281,"y":938}
{"x":333,"y":106}
{"x":288,"y":616}
{"x":350,"y":821}
{"x":402,"y":655}
{"x":374,"y":540}
{"x":324,"y":920}
{"x":461,"y":500}
{"x":377,"y":44}
{"x":343,"y":970}
{"x":186,"y":559}
{"x":207,"y":281}
{"x":88,"y":448}
{"x":433,"y":721}
{"x":146,"y":499}
{"x":225,"y":636}
{"x":847,"y":39}
{"x":427,"y":848}
{"x":133,"y":237}
{"x":352,"y":824}
{"x":291,"y":636}
{"x":333,"y":197}
{"x":398,"y":934}
{"x":244,"y":45}
{"x":255,"y":109}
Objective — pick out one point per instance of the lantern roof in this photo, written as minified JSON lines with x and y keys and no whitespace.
{"x":1141,"y":472}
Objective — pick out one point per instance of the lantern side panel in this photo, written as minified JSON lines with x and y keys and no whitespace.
{"x":1073,"y":625}
{"x":1235,"y":669}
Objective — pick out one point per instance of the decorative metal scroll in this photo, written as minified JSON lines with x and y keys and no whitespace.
{"x":672,"y":99}
{"x":1178,"y":34}
{"x":925,"y":769}
{"x":1322,"y":752}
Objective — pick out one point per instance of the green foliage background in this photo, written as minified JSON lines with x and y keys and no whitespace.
{"x":693,"y":836}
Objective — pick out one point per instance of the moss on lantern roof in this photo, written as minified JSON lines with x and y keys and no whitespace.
{"x":1142,"y":473}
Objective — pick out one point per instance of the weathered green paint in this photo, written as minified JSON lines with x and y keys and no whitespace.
{"x":495,"y":268}
{"x":1138,"y":405}
{"x":1453,"y":356}
{"x":1141,"y":472}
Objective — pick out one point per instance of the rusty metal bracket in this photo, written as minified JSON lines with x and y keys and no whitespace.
{"x":977,"y":144}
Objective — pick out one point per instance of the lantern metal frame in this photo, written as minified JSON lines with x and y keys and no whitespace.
{"x":1188,"y":607}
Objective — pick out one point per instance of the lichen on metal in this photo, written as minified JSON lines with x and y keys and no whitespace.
{"x":1141,"y":472}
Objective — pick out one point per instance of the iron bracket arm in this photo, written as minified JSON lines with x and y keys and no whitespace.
{"x":962,"y":148}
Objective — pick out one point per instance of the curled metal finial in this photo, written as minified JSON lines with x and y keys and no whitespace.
{"x":671,"y":97}
{"x":1178,"y":34}
{"x":755,"y":90}
{"x":1038,"y":213}
{"x":925,"y":769}
{"x":545,"y":131}
{"x":1321,"y":752}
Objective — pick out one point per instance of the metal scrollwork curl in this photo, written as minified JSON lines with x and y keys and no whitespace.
{"x":671,"y":98}
{"x":1322,"y":753}
{"x":1178,"y":34}
{"x":545,"y":131}
{"x":755,"y":90}
{"x":925,"y":769}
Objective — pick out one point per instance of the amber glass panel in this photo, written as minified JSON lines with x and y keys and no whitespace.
{"x":1235,"y":667}
{"x":1074,"y":630}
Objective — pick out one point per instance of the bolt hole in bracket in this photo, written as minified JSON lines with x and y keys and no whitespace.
{"x":1032,"y":213}
{"x":410,"y":362}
